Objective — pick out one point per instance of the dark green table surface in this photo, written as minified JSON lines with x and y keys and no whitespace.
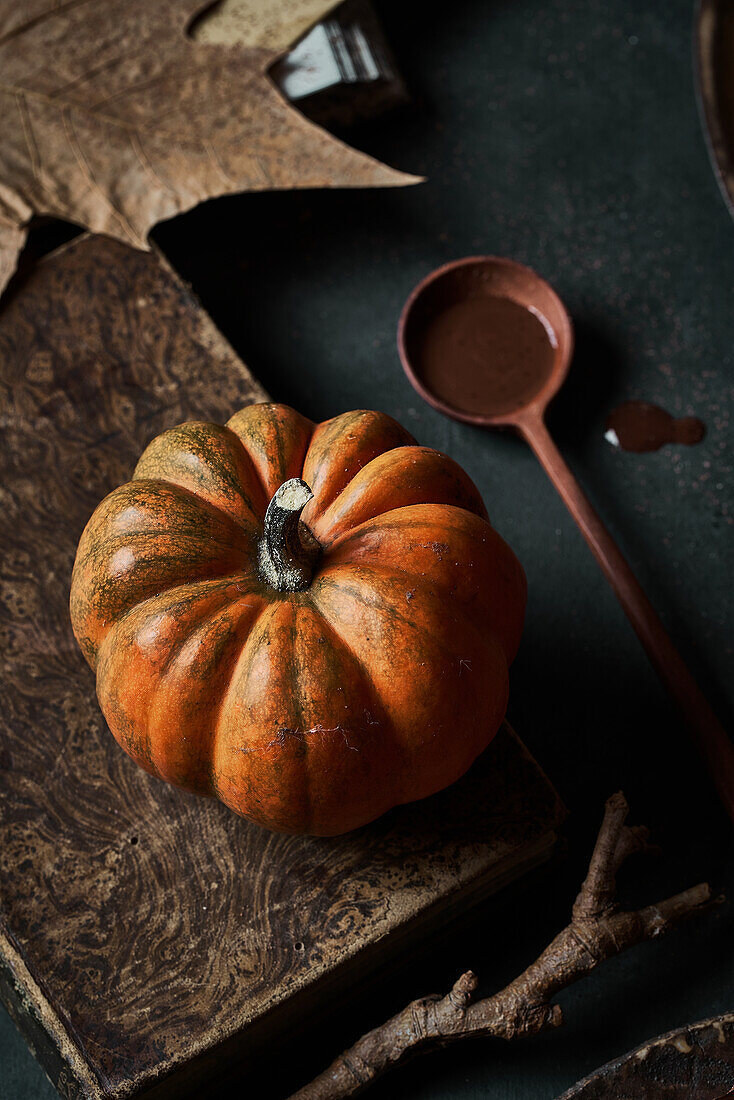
{"x":565,"y":135}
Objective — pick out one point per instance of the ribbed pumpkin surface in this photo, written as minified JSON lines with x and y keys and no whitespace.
{"x":309,"y":711}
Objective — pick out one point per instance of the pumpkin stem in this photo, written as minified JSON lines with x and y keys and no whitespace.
{"x":288,"y":550}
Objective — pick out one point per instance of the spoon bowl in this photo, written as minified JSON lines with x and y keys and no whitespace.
{"x":487,"y":287}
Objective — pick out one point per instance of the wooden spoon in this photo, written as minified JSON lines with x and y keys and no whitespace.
{"x":487,"y":341}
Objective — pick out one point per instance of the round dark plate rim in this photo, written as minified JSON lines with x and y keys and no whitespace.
{"x":576,"y":1092}
{"x":706,"y":71}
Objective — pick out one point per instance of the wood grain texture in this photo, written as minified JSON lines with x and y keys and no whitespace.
{"x":147,"y":935}
{"x":691,"y":1063}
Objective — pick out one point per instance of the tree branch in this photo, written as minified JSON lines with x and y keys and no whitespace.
{"x":597,"y":931}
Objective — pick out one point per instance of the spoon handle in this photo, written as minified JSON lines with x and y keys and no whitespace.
{"x":711,"y":739}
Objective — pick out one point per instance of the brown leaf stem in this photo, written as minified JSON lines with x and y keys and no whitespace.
{"x":598,"y":931}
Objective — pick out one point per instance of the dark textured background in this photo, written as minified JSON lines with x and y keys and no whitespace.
{"x":566,"y":137}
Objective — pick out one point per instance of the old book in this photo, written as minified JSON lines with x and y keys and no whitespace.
{"x":148,"y":937}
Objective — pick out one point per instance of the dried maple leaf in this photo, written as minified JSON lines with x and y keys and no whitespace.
{"x":113,"y":118}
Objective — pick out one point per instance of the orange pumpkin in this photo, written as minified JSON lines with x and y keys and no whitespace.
{"x":312,"y":623}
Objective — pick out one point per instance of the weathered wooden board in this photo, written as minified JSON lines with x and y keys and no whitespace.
{"x":146,"y":936}
{"x":692,"y":1063}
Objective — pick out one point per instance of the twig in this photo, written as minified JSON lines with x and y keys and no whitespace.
{"x":598,"y":931}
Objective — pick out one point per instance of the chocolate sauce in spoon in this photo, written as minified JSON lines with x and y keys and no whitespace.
{"x":639,"y":426}
{"x":486,"y":354}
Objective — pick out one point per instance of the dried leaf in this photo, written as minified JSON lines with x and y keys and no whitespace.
{"x":115,"y":119}
{"x":242,"y":21}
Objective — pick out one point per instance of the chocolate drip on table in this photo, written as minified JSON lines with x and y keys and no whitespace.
{"x":639,"y":426}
